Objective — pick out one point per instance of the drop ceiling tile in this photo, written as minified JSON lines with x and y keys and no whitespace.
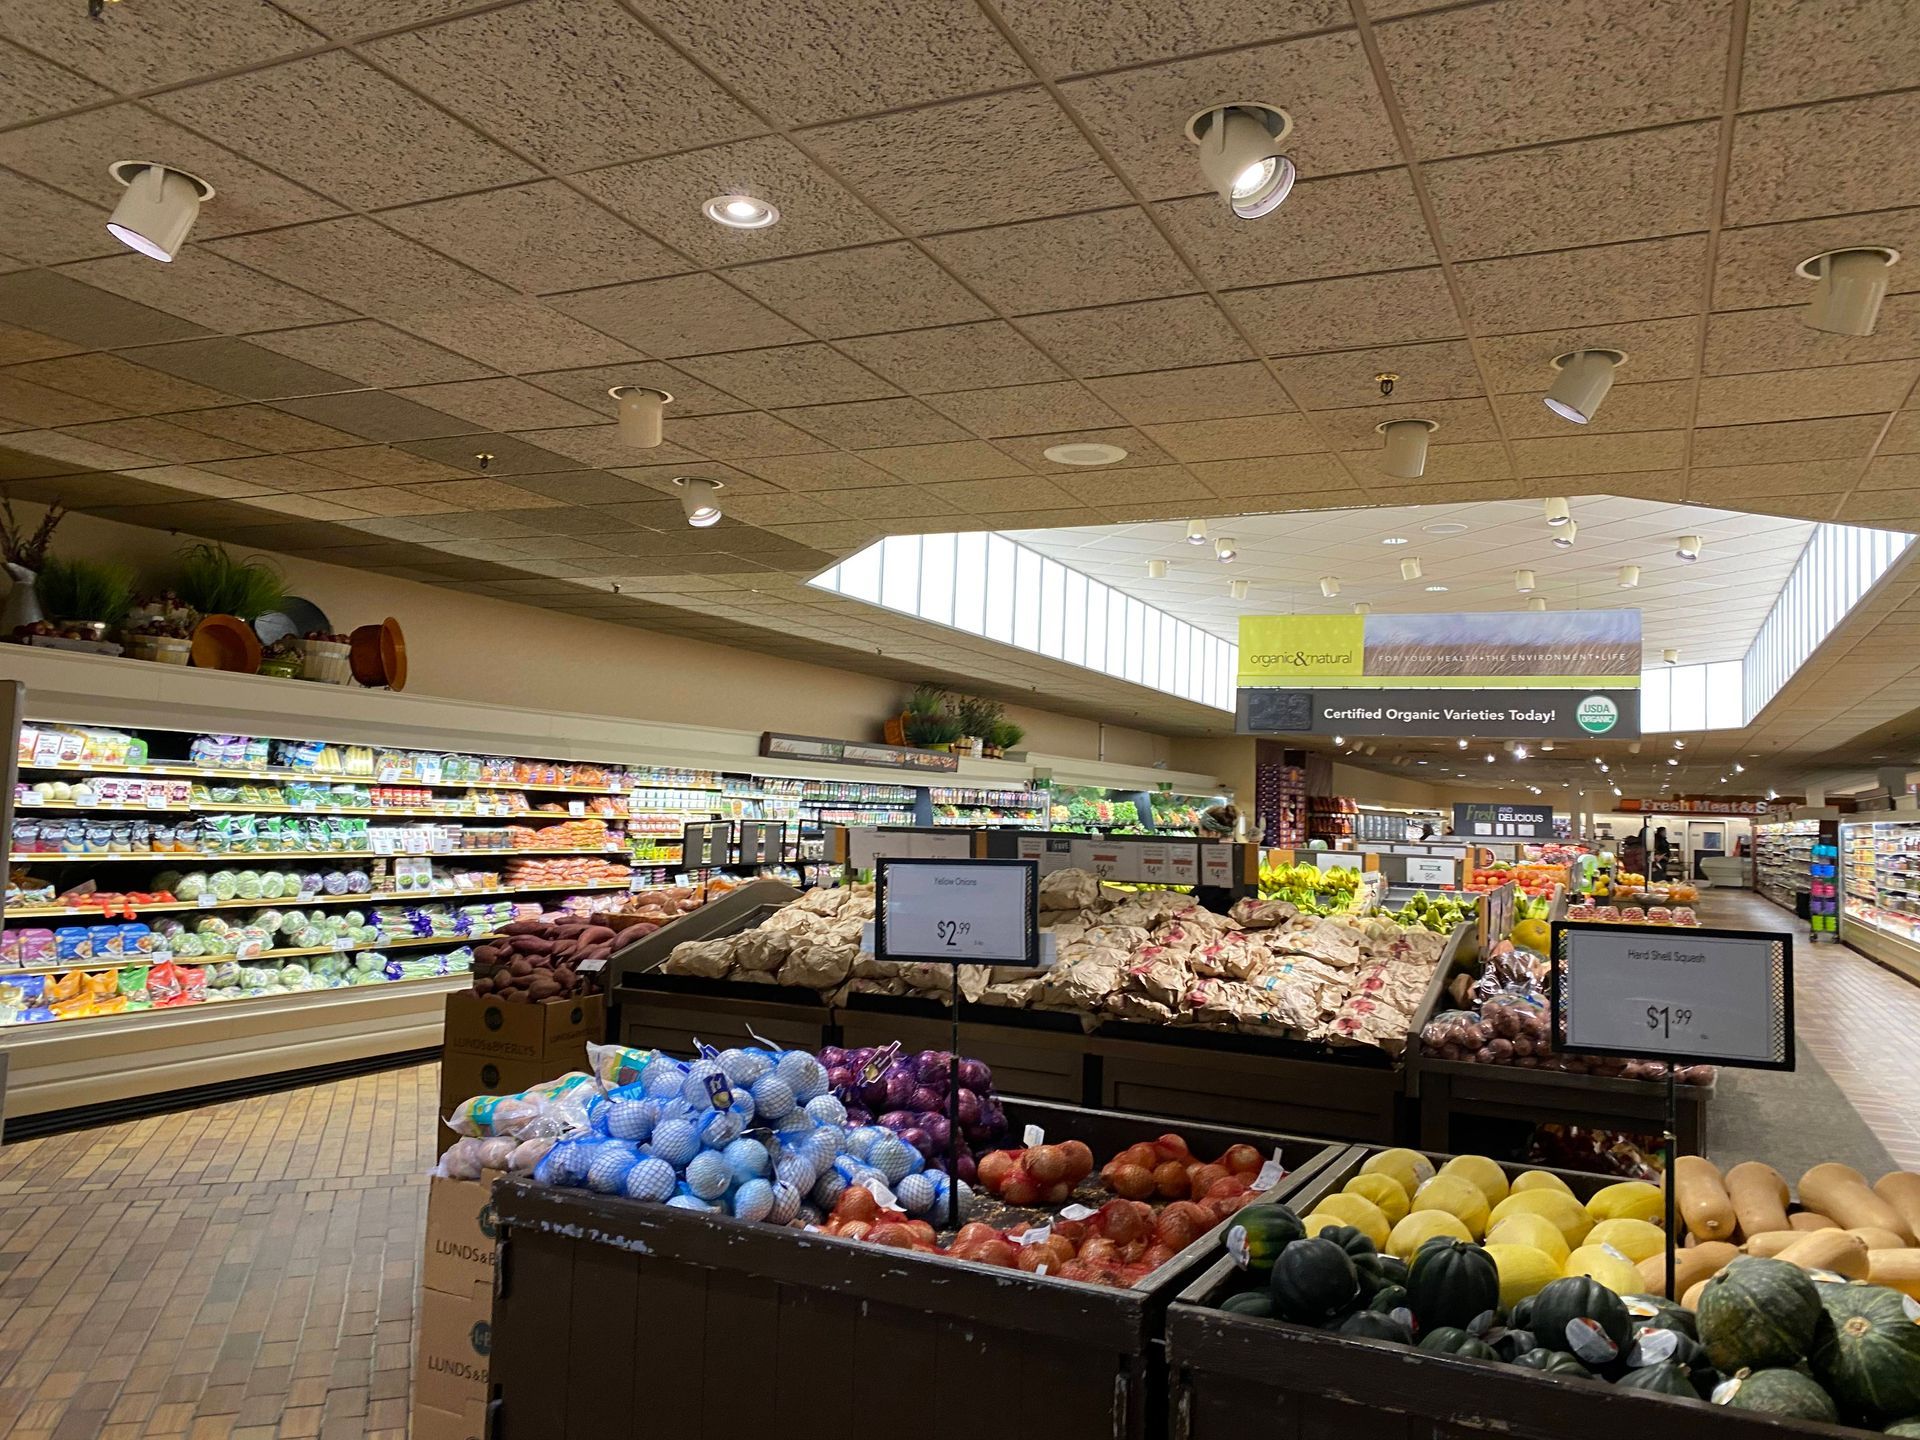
{"x":1344,"y":225}
{"x":665,"y":195}
{"x":1848,"y":438}
{"x":133,"y":387}
{"x":1733,"y":484}
{"x":1277,"y":480}
{"x":239,"y":368}
{"x":361,"y":265}
{"x":1832,"y":159}
{"x":519,"y":336}
{"x":954,"y":357}
{"x":743,"y":435}
{"x":860,"y":292}
{"x":1024,"y":409}
{"x":261,"y":428}
{"x":1659,"y":405}
{"x":158,"y":46}
{"x":1203,"y":392}
{"x":1607,"y":285}
{"x":26,"y":406}
{"x":205,"y":288}
{"x":502,"y":404}
{"x":1755,"y":266}
{"x":831,"y":470}
{"x":376,"y":415}
{"x":573,"y":83}
{"x":1344,"y":314}
{"x":1104,"y":258}
{"x":1144,"y":336}
{"x":868,"y":423}
{"x":601,"y":445}
{"x":370,"y":352}
{"x":1236,"y":439}
{"x":158,"y":440}
{"x":30,"y":86}
{"x":1618,"y":187}
{"x":1655,"y":350}
{"x":788,"y":375}
{"x":958,"y":460}
{"x":1780,"y":339}
{"x":1460,"y":421}
{"x":589,"y":387}
{"x":282,"y":474}
{"x":536,"y":238}
{"x":319,"y":120}
{"x":1805,"y":394}
{"x":1442,"y":371}
{"x":1795,"y":53}
{"x":1598,"y":67}
{"x":681,"y":315}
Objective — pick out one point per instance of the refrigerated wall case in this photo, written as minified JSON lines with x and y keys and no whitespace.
{"x":1879,"y":864}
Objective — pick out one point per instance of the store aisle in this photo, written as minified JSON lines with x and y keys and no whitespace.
{"x":243,"y":1270}
{"x":1860,"y":1023}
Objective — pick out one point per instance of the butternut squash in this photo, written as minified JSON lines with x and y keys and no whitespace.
{"x":1690,"y":1266}
{"x":1834,"y":1250}
{"x":1843,"y":1192}
{"x":1804,"y":1220}
{"x":1901,"y":1190}
{"x":1896,"y":1269}
{"x":1701,"y":1196}
{"x":1878,"y":1239}
{"x":1759,"y":1194}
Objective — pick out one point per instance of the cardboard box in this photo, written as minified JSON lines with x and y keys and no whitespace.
{"x":431,"y":1424}
{"x":455,"y":1338}
{"x":480,"y":1025}
{"x":460,"y":1235}
{"x":463,"y":1075}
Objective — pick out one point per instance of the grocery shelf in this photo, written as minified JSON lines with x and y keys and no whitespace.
{"x":69,"y":912}
{"x":254,"y":856}
{"x":120,"y":962}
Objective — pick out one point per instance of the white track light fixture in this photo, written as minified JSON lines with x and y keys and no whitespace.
{"x":1670,"y":655}
{"x":1629,"y":577}
{"x":1523,"y":581}
{"x":1567,"y":534}
{"x":1406,"y":447}
{"x":1329,"y":586}
{"x":1410,"y":568}
{"x":1241,"y":156}
{"x":700,"y":498}
{"x":1558,"y":512}
{"x":1196,"y":532}
{"x":1156,"y":569}
{"x":1688,"y":548}
{"x":158,"y":209}
{"x":1237,"y":589}
{"x":1538,"y":602}
{"x":1584,"y":379}
{"x":1361,"y":607}
{"x":642,"y":414}
{"x":1851,"y":285}
{"x":1224,"y":550}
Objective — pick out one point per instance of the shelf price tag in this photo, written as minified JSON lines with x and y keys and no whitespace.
{"x":964,"y":911}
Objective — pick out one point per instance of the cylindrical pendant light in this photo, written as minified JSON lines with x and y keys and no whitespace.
{"x":1406,"y":447}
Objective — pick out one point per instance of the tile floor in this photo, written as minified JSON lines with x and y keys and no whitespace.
{"x":248,"y":1270}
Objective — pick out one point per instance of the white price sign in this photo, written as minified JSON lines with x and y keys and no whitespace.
{"x":968,"y":911}
{"x":1697,"y":996}
{"x":1422,"y":870}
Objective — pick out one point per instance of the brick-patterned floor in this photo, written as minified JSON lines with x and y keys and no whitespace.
{"x":246,"y":1270}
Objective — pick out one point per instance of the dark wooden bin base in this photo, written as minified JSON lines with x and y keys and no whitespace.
{"x":1449,"y":1088}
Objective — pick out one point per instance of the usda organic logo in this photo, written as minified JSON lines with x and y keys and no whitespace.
{"x":1597,"y":714}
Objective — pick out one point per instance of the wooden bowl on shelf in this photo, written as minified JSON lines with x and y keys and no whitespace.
{"x":226,"y":642}
{"x":378,"y":655}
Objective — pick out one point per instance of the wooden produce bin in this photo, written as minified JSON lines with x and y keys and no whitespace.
{"x":1239,"y":1377}
{"x":1039,"y":1053}
{"x":616,"y":1317}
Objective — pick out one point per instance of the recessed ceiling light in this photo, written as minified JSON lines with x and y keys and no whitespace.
{"x":158,"y":209}
{"x":740,"y":212}
{"x":1084,"y":452}
{"x":1436,"y":589}
{"x":1446,"y":527}
{"x":1394,"y":540}
{"x":1240,"y":155}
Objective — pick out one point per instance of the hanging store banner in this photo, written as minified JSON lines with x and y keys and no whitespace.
{"x":1549,"y":674}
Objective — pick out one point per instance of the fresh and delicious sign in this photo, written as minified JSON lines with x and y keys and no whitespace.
{"x":1500,"y":821}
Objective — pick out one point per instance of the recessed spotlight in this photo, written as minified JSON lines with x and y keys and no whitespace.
{"x":1436,"y":589}
{"x":1394,"y":540}
{"x":1523,"y":581}
{"x":740,"y":212}
{"x":642,"y":414}
{"x":1156,"y":569}
{"x":1688,"y":547}
{"x":1237,"y":589}
{"x":1078,"y":452}
{"x":1566,"y":534}
{"x":1224,"y":549}
{"x":700,"y":499}
{"x":1584,"y":379}
{"x":1557,"y":510}
{"x":1852,"y":283}
{"x":1410,"y":568}
{"x":1329,"y":586}
{"x":1629,"y":577}
{"x":1241,"y":158}
{"x":158,"y":209}
{"x":1406,"y":456}
{"x":1196,"y":532}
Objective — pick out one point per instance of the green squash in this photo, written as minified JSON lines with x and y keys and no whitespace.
{"x":1553,"y":1362}
{"x":1249,"y":1302}
{"x":1452,"y":1282}
{"x":1757,"y":1314}
{"x":1452,"y":1340}
{"x":1313,"y":1281}
{"x":1598,"y":1319}
{"x":1372,"y":1325}
{"x":1663,"y":1379}
{"x":1786,"y":1393}
{"x":1257,"y":1235}
{"x":1867,"y":1351}
{"x":1389,"y":1298}
{"x":1661,"y":1313}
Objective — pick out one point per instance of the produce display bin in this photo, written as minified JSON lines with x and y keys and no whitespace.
{"x":1237,"y":1377}
{"x":1450,"y":1088}
{"x":613,"y":1316}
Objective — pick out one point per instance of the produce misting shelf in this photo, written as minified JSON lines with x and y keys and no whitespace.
{"x":96,"y":912}
{"x":254,"y":857}
{"x":117,"y":962}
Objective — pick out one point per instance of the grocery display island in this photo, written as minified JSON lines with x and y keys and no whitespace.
{"x":703,"y":1326}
